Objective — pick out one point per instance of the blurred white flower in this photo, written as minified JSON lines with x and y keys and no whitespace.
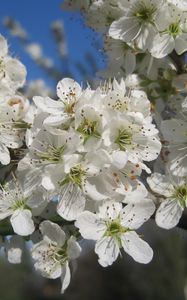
{"x":34,"y":50}
{"x":12,"y":71}
{"x":14,"y":247}
{"x":175,"y":133}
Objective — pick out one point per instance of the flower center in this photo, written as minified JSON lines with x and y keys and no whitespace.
{"x":174,"y":29}
{"x":145,"y":13}
{"x":120,"y":105}
{"x":69,"y":100}
{"x":19,"y":204}
{"x":115,"y":229}
{"x":69,"y":107}
{"x":60,"y":255}
{"x":123,"y":139}
{"x":20,"y":124}
{"x":88,"y":128}
{"x":76,"y":176}
{"x":181,"y":195}
{"x":53,"y":154}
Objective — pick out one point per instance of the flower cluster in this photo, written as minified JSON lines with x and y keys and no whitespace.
{"x":143,"y":41}
{"x":138,"y":35}
{"x":13,"y":107}
{"x":89,"y":149}
{"x":97,"y":163}
{"x":156,"y":26}
{"x":82,"y":154}
{"x":171,"y":184}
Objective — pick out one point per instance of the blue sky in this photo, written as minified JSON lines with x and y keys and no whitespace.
{"x":36,"y":16}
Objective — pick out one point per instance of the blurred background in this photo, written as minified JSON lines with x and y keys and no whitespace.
{"x":53,"y":44}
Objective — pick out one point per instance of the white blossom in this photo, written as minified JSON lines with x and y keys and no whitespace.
{"x":19,"y":202}
{"x":138,"y":24}
{"x":173,"y":190}
{"x":174,"y":132}
{"x":172,"y":32}
{"x":11,"y":133}
{"x":113,"y":227}
{"x":53,"y":253}
{"x":80,"y":159}
{"x":12,"y":71}
{"x":14,"y":249}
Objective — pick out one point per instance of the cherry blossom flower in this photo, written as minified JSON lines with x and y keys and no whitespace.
{"x":53,"y":253}
{"x":173,"y":190}
{"x":12,"y":71}
{"x":113,"y":227}
{"x":19,"y":203}
{"x":172,"y":34}
{"x":138,"y":24}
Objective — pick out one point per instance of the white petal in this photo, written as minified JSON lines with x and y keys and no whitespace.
{"x":90,"y":226}
{"x":178,"y":161}
{"x":48,"y":105}
{"x":39,"y":248}
{"x":65,"y":277}
{"x":45,"y":263}
{"x":137,"y":194}
{"x":96,"y":161}
{"x":173,"y":130}
{"x":5,"y":213}
{"x":22,"y":222}
{"x":134,"y":215}
{"x":160,"y":184}
{"x":182,"y":4}
{"x":4,"y":155}
{"x":53,"y":232}
{"x":168,"y":214}
{"x":73,"y":248}
{"x":37,"y":202}
{"x":71,"y":203}
{"x":110,"y":210}
{"x":130,"y":62}
{"x":126,"y":29}
{"x":47,"y":183}
{"x":67,"y":86}
{"x":136,"y":247}
{"x":119,"y":159}
{"x":181,"y":43}
{"x":107,"y":249}
{"x":91,"y":191}
{"x":14,"y":249}
{"x":16,"y":72}
{"x":32,"y":179}
{"x":55,"y":120}
{"x":145,"y":38}
{"x":3,"y":46}
{"x":152,"y":150}
{"x":162,"y":45}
